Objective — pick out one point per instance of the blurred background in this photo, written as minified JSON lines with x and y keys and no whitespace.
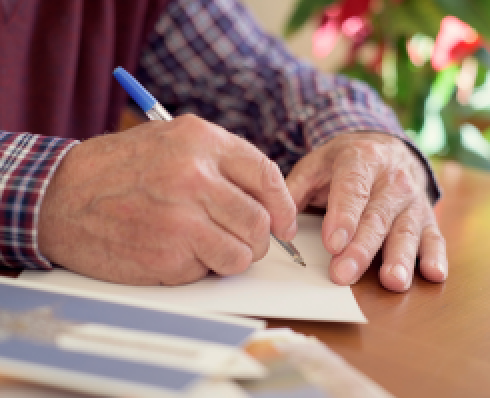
{"x":428,"y":59}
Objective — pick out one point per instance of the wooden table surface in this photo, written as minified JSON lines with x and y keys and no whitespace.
{"x":434,"y":340}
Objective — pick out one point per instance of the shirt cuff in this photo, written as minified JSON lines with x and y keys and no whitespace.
{"x":27,"y":163}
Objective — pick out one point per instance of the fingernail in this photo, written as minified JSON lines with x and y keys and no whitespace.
{"x":291,"y":232}
{"x":338,"y":240}
{"x":400,"y":273}
{"x":346,"y":271}
{"x":441,"y":269}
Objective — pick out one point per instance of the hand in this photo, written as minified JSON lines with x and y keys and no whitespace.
{"x":163,"y":203}
{"x":375,"y":187}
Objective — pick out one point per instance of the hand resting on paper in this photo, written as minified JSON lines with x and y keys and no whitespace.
{"x":375,"y":187}
{"x":163,"y":203}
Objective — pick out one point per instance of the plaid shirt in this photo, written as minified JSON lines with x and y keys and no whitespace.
{"x":210,"y":58}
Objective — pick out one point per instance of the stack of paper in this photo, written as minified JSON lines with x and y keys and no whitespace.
{"x":69,"y":340}
{"x":111,"y":346}
{"x":274,"y":287}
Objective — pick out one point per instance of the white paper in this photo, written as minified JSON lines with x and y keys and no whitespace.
{"x":274,"y":287}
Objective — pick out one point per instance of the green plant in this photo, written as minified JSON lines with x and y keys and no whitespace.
{"x":429,"y":60}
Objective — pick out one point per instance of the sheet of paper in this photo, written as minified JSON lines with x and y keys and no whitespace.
{"x":274,"y":287}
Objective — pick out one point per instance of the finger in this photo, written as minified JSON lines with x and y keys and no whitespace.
{"x":253,"y":172}
{"x":192,"y":271}
{"x":149,"y":269}
{"x":303,"y":183}
{"x":239,"y":214}
{"x":188,"y":235}
{"x":144,"y":252}
{"x":432,"y":253}
{"x":400,"y":250}
{"x":219,"y":250}
{"x":353,"y":176}
{"x":374,"y":225}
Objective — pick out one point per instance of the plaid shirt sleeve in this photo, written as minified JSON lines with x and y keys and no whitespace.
{"x":27,"y":163}
{"x":210,"y":58}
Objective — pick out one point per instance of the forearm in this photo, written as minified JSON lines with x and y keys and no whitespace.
{"x":27,"y":164}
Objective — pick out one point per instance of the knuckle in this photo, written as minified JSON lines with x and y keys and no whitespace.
{"x":349,"y":215}
{"x":346,"y":154}
{"x":434,"y":236}
{"x":353,"y":174}
{"x":355,"y":184}
{"x":172,"y":278}
{"x":235,"y":260}
{"x":408,"y":230}
{"x":402,"y":180}
{"x":372,"y":150}
{"x":199,"y":129}
{"x":271,"y":177}
{"x":259,"y":251}
{"x":259,"y":225}
{"x":189,"y":119}
{"x":191,"y":271}
{"x":175,"y":254}
{"x":187,"y":125}
{"x":376,"y":226}
{"x":409,"y":223}
{"x":222,"y":253}
{"x":172,"y":274}
{"x":196,"y":174}
{"x":364,"y":253}
{"x":407,"y":226}
{"x":151,"y":262}
{"x":378,"y":223}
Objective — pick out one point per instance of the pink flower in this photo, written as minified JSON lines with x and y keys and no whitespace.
{"x":455,"y":41}
{"x":348,"y":18}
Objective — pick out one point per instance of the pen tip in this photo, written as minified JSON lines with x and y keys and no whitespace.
{"x":300,"y":261}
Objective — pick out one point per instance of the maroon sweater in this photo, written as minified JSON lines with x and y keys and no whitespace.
{"x":56,"y":62}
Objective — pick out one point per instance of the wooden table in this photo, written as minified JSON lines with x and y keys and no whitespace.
{"x":434,"y":340}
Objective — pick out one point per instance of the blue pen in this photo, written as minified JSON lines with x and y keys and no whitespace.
{"x":155,"y":111}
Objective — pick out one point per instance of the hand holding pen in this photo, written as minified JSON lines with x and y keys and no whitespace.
{"x":163,"y":203}
{"x":155,"y":111}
